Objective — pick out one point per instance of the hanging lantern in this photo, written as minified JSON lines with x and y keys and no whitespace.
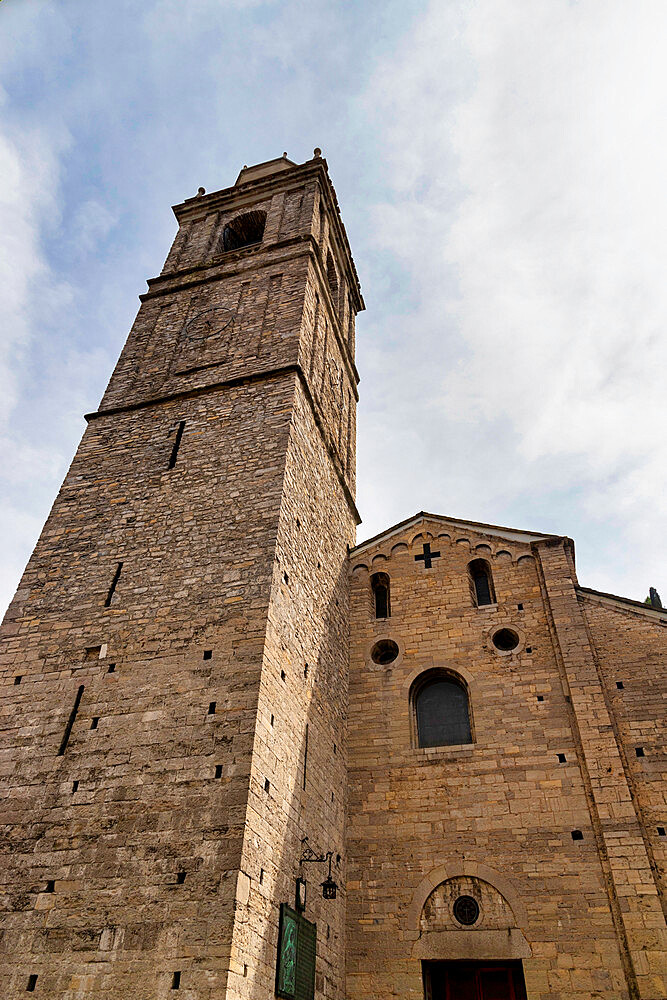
{"x":329,"y":888}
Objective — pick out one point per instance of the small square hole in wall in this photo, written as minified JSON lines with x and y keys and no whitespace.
{"x":94,"y":722}
{"x":562,"y":759}
{"x":529,"y":649}
{"x":176,"y":981}
{"x":111,"y":669}
{"x":75,"y":785}
{"x":208,"y":653}
{"x":180,"y":878}
{"x":661,"y":831}
{"x":218,"y":770}
{"x":211,"y":708}
{"x":282,"y":675}
{"x":520,"y":607}
{"x":50,"y":886}
{"x":639,"y":751}
{"x":93,"y":652}
{"x":577,"y":835}
{"x":540,"y":697}
{"x":18,"y":679}
{"x":267,"y":785}
{"x":32,"y":982}
{"x":620,"y":685}
{"x":567,"y":698}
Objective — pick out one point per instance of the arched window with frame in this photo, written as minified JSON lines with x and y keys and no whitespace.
{"x":441,"y":710}
{"x":244,"y":231}
{"x":481,"y":582}
{"x":381,"y":598}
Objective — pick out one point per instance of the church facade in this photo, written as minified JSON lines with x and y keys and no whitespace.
{"x":244,"y":757}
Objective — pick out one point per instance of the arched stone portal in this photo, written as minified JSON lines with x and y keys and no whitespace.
{"x":484,"y":926}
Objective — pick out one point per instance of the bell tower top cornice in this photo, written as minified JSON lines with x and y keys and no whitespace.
{"x":265,"y":179}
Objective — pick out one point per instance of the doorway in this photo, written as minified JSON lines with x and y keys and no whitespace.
{"x":473,"y":981}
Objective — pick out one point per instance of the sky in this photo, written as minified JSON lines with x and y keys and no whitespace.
{"x":500,"y":167}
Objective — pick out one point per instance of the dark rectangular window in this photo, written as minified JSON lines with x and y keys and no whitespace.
{"x":177,"y":444}
{"x":32,"y":982}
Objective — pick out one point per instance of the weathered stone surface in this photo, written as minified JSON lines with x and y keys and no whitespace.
{"x":495,"y":817}
{"x":188,"y":756}
{"x":189,"y":687}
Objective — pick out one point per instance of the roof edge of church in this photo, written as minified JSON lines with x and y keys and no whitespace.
{"x":656,"y":614}
{"x":478,"y":525}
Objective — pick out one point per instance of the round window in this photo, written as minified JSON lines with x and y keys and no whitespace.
{"x":466,"y":910}
{"x":385,"y":651}
{"x":505,"y":639}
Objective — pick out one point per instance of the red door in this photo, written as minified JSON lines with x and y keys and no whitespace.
{"x":474,"y":981}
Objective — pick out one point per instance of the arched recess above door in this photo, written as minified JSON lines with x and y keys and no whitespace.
{"x":466,"y":917}
{"x":442,"y":873}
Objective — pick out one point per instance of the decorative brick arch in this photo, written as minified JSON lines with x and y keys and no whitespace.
{"x":472,"y":869}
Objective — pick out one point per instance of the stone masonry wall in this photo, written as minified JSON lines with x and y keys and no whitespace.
{"x":500,"y":811}
{"x":197,"y":546}
{"x":630,"y":647}
{"x":300,"y":735}
{"x":131,"y":856}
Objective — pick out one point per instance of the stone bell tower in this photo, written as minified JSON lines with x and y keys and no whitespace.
{"x":174,"y":663}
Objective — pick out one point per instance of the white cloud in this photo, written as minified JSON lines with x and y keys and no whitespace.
{"x":540,"y":276}
{"x":92,"y":223}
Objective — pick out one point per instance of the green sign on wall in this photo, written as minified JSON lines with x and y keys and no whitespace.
{"x":297,"y":945}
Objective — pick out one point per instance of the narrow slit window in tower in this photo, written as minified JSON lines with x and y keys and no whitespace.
{"x":177,"y":444}
{"x":114,"y":584}
{"x":70,"y":722}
